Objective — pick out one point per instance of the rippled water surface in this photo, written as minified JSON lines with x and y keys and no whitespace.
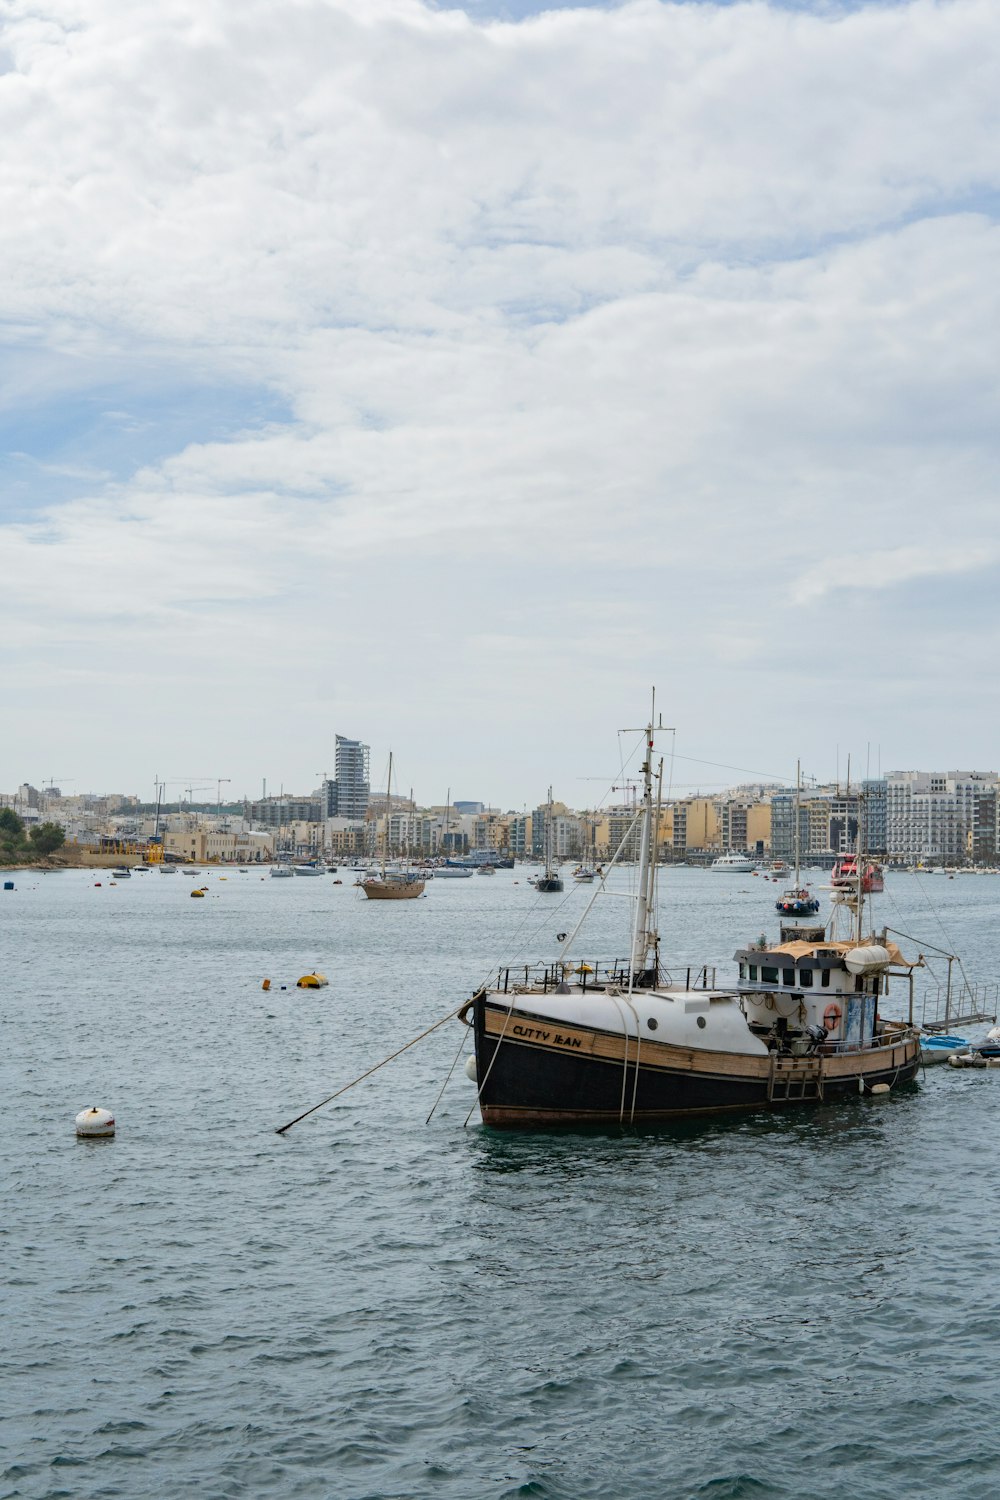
{"x":797,"y":1304}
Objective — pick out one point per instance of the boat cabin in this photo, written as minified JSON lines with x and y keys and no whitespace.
{"x":809,"y":992}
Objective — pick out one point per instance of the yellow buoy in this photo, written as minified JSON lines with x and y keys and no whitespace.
{"x":266,"y":985}
{"x":200,"y":894}
{"x":312,"y":982}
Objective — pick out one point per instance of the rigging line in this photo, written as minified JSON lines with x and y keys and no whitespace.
{"x":362,"y":1076}
{"x":489,"y":1070}
{"x":444,"y":1085}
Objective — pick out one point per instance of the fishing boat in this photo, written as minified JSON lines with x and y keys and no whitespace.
{"x":798,"y":900}
{"x":550,"y":881}
{"x":597,"y":1042}
{"x":732,"y":863}
{"x":391,"y":885}
{"x":845,"y":875}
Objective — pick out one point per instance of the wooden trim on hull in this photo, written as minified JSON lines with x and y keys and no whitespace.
{"x":543,"y":1073}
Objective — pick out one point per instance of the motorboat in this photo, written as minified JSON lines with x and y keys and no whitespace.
{"x":281,"y":872}
{"x":733,"y":864}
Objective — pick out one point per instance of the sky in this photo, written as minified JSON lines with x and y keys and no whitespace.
{"x":448,"y":376}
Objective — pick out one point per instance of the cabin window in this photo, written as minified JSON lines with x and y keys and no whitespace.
{"x":825,"y":981}
{"x":768,"y":975}
{"x":788,"y":976}
{"x":753,"y":970}
{"x":806,"y":978}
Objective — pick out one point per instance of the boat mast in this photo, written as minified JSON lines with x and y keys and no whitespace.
{"x":548,"y":838}
{"x":388,"y":805}
{"x":645,"y":938}
{"x":798,"y":836}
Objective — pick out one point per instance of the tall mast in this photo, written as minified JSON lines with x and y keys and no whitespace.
{"x":798,"y":836}
{"x":388,"y":804}
{"x":645,"y":938}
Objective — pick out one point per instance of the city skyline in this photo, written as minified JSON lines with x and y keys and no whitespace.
{"x":451,"y":374}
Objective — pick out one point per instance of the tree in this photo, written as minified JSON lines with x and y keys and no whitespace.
{"x":11,"y":827}
{"x":46,"y":838}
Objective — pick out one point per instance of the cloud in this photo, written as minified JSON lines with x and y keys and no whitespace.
{"x":679,"y":308}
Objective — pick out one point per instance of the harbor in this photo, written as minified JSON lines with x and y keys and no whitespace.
{"x":306,"y":1313}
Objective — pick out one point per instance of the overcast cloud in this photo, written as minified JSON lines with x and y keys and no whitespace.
{"x":445,"y":381}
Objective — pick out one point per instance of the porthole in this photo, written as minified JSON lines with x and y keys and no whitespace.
{"x":701,"y":1021}
{"x":652,"y":1023}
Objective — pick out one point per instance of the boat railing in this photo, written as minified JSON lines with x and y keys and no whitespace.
{"x":601,"y":974}
{"x":965,"y":1004}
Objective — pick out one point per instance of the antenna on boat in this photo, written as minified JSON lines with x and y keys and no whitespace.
{"x":645,"y":937}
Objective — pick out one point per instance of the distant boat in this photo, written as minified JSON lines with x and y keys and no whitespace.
{"x":453,"y":874}
{"x":733,"y":863}
{"x":122,"y":874}
{"x":845,"y":875}
{"x":550,"y":881}
{"x":799,"y":901}
{"x":486,"y":870}
{"x":281,"y":872}
{"x":308,"y":870}
{"x":391,"y":885}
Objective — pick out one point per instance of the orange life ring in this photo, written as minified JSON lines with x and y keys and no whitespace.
{"x":831,"y":1017}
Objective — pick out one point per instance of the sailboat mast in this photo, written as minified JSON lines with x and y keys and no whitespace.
{"x":388,"y":805}
{"x":798,"y":834}
{"x":645,"y":899}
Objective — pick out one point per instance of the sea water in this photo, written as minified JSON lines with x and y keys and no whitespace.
{"x":370,"y":1307}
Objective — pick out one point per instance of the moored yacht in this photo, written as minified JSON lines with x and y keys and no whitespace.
{"x":738,"y":864}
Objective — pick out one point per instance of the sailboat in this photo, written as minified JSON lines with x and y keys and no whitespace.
{"x":597,"y":1042}
{"x":799,"y":901}
{"x":392,"y":885}
{"x":550,"y":881}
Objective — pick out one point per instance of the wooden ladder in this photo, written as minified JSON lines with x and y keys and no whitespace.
{"x":794,"y":1080}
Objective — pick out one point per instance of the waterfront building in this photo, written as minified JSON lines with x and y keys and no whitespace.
{"x":936,"y":816}
{"x":348,"y":794}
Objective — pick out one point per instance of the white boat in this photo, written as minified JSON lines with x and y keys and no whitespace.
{"x":308,"y":870}
{"x":281,"y":872}
{"x":599,"y":1042}
{"x":452,"y":874}
{"x":736,"y":864}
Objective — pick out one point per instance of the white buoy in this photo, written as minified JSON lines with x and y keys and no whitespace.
{"x":95,"y":1122}
{"x":470,"y":1070}
{"x":880,"y":1088}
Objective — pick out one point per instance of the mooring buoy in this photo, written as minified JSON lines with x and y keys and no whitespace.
{"x":95,"y":1122}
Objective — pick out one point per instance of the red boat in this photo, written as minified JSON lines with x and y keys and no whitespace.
{"x":845,"y":875}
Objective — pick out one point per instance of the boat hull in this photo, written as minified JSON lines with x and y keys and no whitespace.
{"x":537,"y":1073}
{"x":393,"y":890}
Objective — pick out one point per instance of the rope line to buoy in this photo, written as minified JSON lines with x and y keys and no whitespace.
{"x":361,"y":1077}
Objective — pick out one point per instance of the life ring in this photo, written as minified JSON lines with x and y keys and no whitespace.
{"x":831,"y":1017}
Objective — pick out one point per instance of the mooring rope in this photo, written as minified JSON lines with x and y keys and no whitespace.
{"x":368,"y":1073}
